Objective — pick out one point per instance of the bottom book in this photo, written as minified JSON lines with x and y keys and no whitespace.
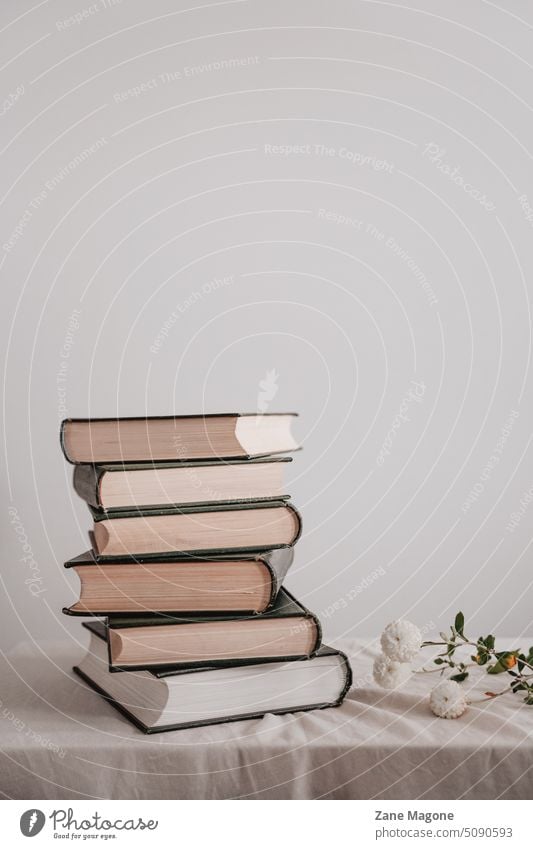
{"x":167,"y":700}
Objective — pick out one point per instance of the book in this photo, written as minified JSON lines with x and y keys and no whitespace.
{"x":288,"y":630}
{"x":160,"y":438}
{"x":255,"y":526}
{"x":187,"y":698}
{"x":246,"y":583}
{"x":117,"y":486}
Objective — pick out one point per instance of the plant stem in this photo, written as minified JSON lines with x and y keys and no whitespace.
{"x":490,"y":652}
{"x":436,"y":669}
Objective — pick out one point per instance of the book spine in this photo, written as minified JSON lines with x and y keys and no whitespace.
{"x":98,"y":478}
{"x":278,"y":563}
{"x":87,"y":481}
{"x":62,"y":440}
{"x":275,"y":586}
{"x":348,"y":679}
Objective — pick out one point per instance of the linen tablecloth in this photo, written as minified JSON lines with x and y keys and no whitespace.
{"x":60,"y":740}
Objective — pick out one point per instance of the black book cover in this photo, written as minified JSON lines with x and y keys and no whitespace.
{"x":285,"y":606}
{"x":178,"y":509}
{"x":88,"y":477}
{"x":99,"y":629}
{"x":277,"y":561}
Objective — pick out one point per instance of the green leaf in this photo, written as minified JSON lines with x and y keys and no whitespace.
{"x":496,"y":668}
{"x":459,"y":623}
{"x":459,"y":677}
{"x":438,"y":661}
{"x":489,"y":641}
{"x":506,"y":660}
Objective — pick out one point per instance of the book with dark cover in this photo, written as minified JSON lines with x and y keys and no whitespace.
{"x":276,"y":562}
{"x":312,"y":666}
{"x":88,"y":481}
{"x":116,"y":517}
{"x":285,"y":607}
{"x":117,"y":447}
{"x":177,"y":509}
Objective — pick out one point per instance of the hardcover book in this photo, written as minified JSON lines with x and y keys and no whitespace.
{"x":243,"y":583}
{"x":255,"y":526}
{"x":187,"y":698}
{"x":161,"y":438}
{"x":116,"y":486}
{"x":287,"y":631}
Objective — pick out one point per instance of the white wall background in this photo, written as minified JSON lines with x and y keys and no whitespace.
{"x":285,"y":149}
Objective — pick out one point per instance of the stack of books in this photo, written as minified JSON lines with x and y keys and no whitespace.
{"x":193,"y":536}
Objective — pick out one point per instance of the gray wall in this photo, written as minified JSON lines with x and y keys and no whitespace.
{"x":329,"y":197}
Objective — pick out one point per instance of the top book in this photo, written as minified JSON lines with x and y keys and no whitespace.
{"x":155,"y":439}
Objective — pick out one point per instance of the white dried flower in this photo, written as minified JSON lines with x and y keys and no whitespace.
{"x":389,"y":673}
{"x":401,"y":640}
{"x":447,"y":700}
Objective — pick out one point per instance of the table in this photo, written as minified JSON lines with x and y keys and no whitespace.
{"x":60,"y":740}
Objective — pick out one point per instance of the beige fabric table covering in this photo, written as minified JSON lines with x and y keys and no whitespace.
{"x":59,"y":739}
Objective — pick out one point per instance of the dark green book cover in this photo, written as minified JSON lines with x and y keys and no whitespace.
{"x":277,"y":562}
{"x":117,"y":516}
{"x":100,"y":630}
{"x":285,"y":606}
{"x":179,"y":509}
{"x":87,"y":478}
{"x":176,"y":420}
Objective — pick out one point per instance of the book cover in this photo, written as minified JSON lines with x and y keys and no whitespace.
{"x":99,"y":629}
{"x":277,"y":561}
{"x":176,"y":419}
{"x":101,"y":515}
{"x":88,"y":477}
{"x":285,"y":606}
